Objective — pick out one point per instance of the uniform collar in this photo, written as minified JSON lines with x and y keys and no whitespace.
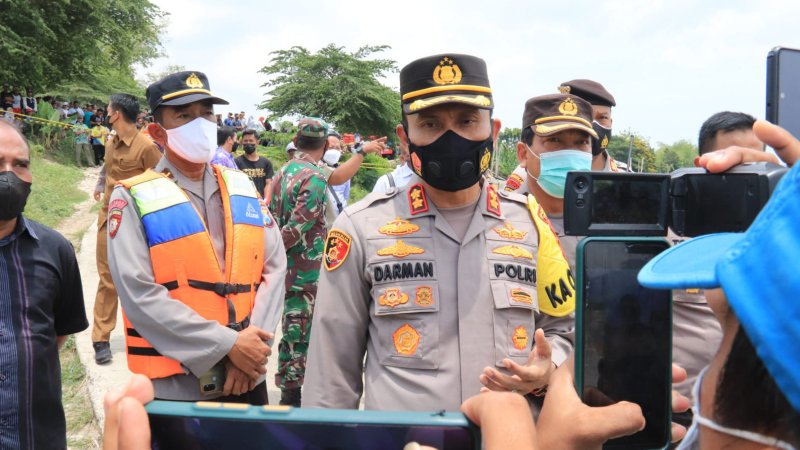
{"x":210,"y":184}
{"x":416,"y":203}
{"x":20,"y":228}
{"x":303,"y":156}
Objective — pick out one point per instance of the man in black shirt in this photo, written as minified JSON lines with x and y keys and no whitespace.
{"x":258,"y":168}
{"x":41,"y":304}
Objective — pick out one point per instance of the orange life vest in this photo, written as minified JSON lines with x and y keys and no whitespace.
{"x":184,"y":261}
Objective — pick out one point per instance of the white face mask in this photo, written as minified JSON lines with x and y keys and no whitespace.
{"x":692,"y":439}
{"x":194,"y":141}
{"x":332,"y":156}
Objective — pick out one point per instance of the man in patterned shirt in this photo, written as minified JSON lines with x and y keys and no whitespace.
{"x":298,"y":204}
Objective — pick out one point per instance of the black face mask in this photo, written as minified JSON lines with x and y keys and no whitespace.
{"x":13,"y":195}
{"x":249,"y":148}
{"x":603,"y":137}
{"x":452,"y":163}
{"x":235,"y":147}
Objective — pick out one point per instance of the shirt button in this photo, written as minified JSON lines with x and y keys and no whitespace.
{"x":2,"y":377}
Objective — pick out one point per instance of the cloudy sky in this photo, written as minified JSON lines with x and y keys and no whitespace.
{"x":669,"y":63}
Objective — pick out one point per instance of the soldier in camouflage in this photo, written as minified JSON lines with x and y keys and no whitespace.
{"x":298,"y":204}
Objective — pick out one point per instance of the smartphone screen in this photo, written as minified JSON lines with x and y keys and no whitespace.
{"x":625,"y":337}
{"x":181,"y":432}
{"x":783,"y":89}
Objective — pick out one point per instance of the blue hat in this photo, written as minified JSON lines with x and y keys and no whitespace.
{"x":757,"y":271}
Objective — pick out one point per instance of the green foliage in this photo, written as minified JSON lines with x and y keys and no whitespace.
{"x":61,"y":45}
{"x":371,"y":169}
{"x":643,"y":156}
{"x":671,"y":157}
{"x":54,"y":192}
{"x":340,"y":87}
{"x":505,"y":155}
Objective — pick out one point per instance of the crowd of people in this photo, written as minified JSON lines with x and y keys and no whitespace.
{"x":439,"y":290}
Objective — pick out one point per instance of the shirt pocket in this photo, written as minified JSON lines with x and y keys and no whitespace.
{"x":407,"y":324}
{"x":514,"y":323}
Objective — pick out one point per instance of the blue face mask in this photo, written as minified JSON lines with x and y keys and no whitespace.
{"x":553,"y":168}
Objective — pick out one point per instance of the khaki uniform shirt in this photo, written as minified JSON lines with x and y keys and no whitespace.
{"x":174,"y":329}
{"x":124,"y":159}
{"x":430,"y":312}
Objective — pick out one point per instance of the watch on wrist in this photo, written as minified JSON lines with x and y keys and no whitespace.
{"x":360,"y":150}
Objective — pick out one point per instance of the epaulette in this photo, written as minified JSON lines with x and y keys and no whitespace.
{"x":513,"y":196}
{"x":372,"y":197}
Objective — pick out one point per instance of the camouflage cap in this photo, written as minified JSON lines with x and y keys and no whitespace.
{"x":312,"y":127}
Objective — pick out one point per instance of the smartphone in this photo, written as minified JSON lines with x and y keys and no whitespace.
{"x":783,"y":88}
{"x":624,"y":335}
{"x":214,"y":425}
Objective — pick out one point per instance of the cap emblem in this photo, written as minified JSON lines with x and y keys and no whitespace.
{"x":568,"y":107}
{"x":194,"y":82}
{"x":564,"y":89}
{"x":447,"y":72}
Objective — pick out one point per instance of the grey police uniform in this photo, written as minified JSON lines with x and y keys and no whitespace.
{"x":429,"y":309}
{"x":171,"y":327}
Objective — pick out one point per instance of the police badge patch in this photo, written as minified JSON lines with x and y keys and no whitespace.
{"x":115,"y":216}
{"x":337,"y":247}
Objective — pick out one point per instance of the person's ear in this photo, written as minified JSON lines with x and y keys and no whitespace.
{"x":401,"y":134}
{"x":496,"y":125}
{"x":522,"y":153}
{"x":158,"y":134}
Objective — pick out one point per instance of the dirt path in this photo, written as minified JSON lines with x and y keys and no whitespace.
{"x":75,"y":225}
{"x":83,"y":429}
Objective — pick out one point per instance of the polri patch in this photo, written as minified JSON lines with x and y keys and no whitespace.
{"x":115,"y":216}
{"x":513,"y":251}
{"x":406,"y":340}
{"x":508,"y":231}
{"x":417,"y":200}
{"x":269,"y":222}
{"x":337,"y":247}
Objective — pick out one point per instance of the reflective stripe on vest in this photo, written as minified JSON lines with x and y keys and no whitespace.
{"x":184,"y":260}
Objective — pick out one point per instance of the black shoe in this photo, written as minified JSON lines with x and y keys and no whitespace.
{"x":102,"y":352}
{"x":290,"y":397}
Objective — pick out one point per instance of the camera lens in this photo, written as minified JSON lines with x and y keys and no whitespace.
{"x":581,"y":184}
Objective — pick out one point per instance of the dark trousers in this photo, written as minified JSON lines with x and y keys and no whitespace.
{"x":99,"y":153}
{"x":257,"y":397}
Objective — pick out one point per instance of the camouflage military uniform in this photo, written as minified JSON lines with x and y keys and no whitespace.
{"x":298,"y":204}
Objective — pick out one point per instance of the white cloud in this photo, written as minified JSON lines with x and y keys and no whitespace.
{"x":670,"y":64}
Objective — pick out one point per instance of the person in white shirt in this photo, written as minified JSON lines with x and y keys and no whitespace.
{"x":397,"y":178}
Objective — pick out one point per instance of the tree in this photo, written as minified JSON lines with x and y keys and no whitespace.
{"x":45,"y":44}
{"x":642,"y":155}
{"x":340,"y":87}
{"x":671,"y":157}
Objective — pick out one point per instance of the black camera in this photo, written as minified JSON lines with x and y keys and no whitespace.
{"x":691,"y":201}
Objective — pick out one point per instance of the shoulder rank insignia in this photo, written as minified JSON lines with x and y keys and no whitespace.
{"x":115,"y":216}
{"x":392,"y":297}
{"x":492,"y":202}
{"x":513,"y":251}
{"x":508,"y":231}
{"x":521,"y":296}
{"x":400,"y":249}
{"x":424,"y":296}
{"x":520,"y":338}
{"x":513,"y":183}
{"x":337,"y":247}
{"x":406,"y":340}
{"x":417,"y":200}
{"x":398,"y":227}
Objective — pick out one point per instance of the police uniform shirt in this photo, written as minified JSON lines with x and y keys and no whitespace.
{"x":171,"y":327}
{"x":429,"y":309}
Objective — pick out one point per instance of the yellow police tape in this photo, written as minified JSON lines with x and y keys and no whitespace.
{"x":44,"y":121}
